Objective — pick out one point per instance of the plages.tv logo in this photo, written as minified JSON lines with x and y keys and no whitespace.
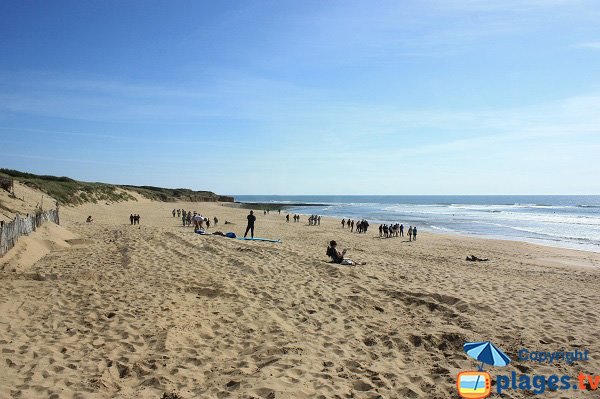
{"x":478,"y":384}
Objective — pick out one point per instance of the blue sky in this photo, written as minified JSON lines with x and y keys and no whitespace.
{"x":306,"y":97}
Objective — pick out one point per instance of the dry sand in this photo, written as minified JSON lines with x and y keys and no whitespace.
{"x":151,"y":311}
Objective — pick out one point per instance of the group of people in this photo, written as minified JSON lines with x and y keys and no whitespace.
{"x":134,"y":219}
{"x":296,"y":218}
{"x":267,"y":211}
{"x":361,"y":226}
{"x":393,"y":230}
{"x":314,"y":220}
{"x":189,"y":217}
{"x":186,"y":217}
{"x":397,"y":230}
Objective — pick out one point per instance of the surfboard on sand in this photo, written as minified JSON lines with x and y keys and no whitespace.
{"x":258,"y":239}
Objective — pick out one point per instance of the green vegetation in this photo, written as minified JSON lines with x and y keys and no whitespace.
{"x":72,"y":192}
{"x":177,"y":194}
{"x":68,"y":191}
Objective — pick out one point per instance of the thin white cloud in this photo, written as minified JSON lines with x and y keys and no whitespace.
{"x":589,"y":45}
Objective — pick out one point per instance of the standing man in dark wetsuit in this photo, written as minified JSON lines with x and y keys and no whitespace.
{"x":251,"y":219}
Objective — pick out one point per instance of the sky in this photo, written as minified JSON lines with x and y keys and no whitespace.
{"x":305,"y":97}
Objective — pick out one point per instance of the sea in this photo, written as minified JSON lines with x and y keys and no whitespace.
{"x":569,"y":221}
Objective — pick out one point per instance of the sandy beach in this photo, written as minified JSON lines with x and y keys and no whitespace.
{"x":111,"y":310}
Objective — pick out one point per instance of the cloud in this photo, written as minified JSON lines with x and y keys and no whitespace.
{"x":589,"y":45}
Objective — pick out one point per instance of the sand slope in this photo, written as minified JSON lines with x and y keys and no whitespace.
{"x":144,"y":311}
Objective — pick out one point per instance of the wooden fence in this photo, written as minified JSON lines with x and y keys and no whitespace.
{"x":10,"y":232}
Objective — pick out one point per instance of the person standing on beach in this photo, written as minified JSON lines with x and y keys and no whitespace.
{"x":216,"y":221}
{"x":415,"y":233}
{"x":401,"y":230}
{"x":287,"y":218}
{"x":343,"y":223}
{"x":319,"y":220}
{"x":410,"y":230}
{"x":251,"y":219}
{"x":131,"y":218}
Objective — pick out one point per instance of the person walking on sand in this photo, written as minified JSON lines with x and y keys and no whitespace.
{"x":410,"y":231}
{"x":415,"y":233}
{"x":216,"y":221}
{"x":343,"y":223}
{"x":287,"y":218}
{"x":251,"y":219}
{"x":131,"y":218}
{"x":352,"y":226}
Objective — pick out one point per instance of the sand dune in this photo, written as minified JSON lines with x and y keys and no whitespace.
{"x":155,"y":310}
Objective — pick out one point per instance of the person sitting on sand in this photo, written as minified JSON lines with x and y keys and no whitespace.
{"x":336,"y":256}
{"x":89,"y":219}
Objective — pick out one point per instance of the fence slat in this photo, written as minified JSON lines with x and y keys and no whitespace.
{"x":10,"y":232}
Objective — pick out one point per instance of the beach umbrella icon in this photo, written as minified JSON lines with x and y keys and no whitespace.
{"x":487,"y":353}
